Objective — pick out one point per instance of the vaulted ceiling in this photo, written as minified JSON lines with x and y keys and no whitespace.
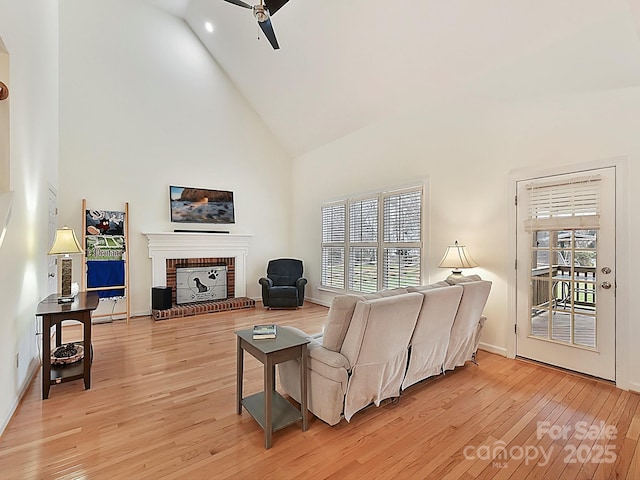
{"x":346,"y":64}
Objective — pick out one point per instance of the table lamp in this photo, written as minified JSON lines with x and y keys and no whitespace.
{"x":65,"y":244}
{"x":457,"y":257}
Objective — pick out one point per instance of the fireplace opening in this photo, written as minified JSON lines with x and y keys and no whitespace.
{"x":201,"y":284}
{"x":187,"y":280}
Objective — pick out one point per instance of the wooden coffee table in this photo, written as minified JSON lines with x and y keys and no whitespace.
{"x":268,"y":407}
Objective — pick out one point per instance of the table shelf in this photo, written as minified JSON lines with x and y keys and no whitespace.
{"x":71,"y":371}
{"x":283,"y":413}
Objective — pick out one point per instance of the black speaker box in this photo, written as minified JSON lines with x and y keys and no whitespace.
{"x":161,"y":298}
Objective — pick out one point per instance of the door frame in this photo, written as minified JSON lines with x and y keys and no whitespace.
{"x":622,"y":244}
{"x":52,"y":261}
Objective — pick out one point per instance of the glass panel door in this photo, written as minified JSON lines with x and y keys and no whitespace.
{"x":565,"y":292}
{"x":563,"y":286}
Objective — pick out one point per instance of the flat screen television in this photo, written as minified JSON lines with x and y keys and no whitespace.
{"x":200,"y":205}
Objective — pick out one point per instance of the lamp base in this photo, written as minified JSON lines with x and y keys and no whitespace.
{"x":455,"y":275}
{"x":65,"y":277}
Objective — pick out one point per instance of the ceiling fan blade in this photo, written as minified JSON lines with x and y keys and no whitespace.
{"x":267,"y":28}
{"x":274,"y":5}
{"x":239,"y":3}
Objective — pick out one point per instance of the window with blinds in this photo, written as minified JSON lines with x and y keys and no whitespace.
{"x":563,"y":219}
{"x":333,"y":223}
{"x":363,"y":221}
{"x":333,"y":245}
{"x":402,"y":220}
{"x":383,"y":247}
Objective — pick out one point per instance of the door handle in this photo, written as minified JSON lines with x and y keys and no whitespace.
{"x":605,"y":285}
{"x":51,"y":275}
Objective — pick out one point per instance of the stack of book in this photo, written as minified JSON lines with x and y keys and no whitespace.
{"x":261,"y":332}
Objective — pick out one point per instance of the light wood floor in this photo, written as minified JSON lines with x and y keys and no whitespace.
{"x":162,"y":406}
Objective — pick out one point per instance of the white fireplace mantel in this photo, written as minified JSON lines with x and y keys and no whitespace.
{"x":172,"y":245}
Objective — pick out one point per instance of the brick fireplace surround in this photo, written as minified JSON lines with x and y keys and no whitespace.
{"x":185,"y":249}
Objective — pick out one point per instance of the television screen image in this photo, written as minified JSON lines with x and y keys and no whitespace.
{"x":199,"y":205}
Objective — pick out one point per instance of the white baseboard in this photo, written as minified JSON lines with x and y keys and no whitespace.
{"x":634,"y":387}
{"x":34,"y":366}
{"x":317,"y":301}
{"x":323,"y":303}
{"x":493,"y":349}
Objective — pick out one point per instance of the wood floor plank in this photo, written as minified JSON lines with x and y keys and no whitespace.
{"x":162,"y":406}
{"x":634,"y":469}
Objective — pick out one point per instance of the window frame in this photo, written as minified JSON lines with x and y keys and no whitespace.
{"x":380,"y":245}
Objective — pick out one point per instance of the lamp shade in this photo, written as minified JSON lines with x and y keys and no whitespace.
{"x":65,"y":242}
{"x":457,"y":257}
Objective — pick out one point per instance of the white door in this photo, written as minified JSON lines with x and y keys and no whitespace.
{"x":566,"y":271}
{"x":52,"y":266}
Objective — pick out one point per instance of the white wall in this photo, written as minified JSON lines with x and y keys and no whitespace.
{"x":4,"y":124}
{"x":33,"y":166}
{"x":143,"y":106}
{"x":466,"y":146}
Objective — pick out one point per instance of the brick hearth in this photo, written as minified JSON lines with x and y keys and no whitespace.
{"x":203,"y":307}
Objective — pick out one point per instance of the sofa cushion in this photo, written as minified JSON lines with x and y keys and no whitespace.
{"x":464,"y":332}
{"x":376,"y":346}
{"x":431,"y":336}
{"x":283,"y":292}
{"x":282,"y":280}
{"x":338,"y":321}
{"x":422,"y":288}
{"x":462,"y":279}
{"x":392,"y":292}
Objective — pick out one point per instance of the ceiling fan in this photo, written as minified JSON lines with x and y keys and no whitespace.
{"x":263,"y":11}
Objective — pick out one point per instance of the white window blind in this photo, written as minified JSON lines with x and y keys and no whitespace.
{"x":571,"y":204}
{"x":333,"y":267}
{"x":333,"y":223}
{"x":363,"y":269}
{"x":363,"y":220}
{"x":401,"y":267}
{"x":402,"y":219}
{"x":363,"y":231}
{"x":333,"y":245}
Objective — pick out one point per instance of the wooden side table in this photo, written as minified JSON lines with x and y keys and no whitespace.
{"x":53,"y":313}
{"x":268,"y":407}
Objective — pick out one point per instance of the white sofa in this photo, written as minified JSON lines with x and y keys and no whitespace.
{"x":374,"y":346}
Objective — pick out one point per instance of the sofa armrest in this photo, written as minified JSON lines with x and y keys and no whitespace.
{"x":299,"y":332}
{"x":266,"y":283}
{"x":328,"y":357}
{"x":318,"y":353}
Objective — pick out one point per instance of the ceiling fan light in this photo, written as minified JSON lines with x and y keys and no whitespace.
{"x":261,"y":13}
